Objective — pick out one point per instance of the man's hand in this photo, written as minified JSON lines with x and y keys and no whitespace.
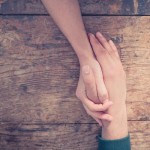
{"x":115,"y":82}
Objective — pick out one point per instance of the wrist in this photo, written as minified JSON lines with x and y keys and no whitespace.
{"x":84,"y":55}
{"x":117,"y":128}
{"x":86,"y":58}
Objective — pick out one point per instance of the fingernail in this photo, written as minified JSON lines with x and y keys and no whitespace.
{"x":99,"y":34}
{"x":92,"y":35}
{"x":110,"y":41}
{"x":86,"y":69}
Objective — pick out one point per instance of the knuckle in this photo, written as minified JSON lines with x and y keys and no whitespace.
{"x":101,"y":53}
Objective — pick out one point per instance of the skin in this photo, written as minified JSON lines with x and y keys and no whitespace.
{"x":73,"y":28}
{"x":102,"y":79}
{"x":115,"y":80}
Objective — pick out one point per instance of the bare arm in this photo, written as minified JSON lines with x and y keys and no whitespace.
{"x":67,"y":16}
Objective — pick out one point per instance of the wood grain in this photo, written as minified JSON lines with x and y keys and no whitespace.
{"x":39,"y":70}
{"x":65,"y":136}
{"x":143,"y":7}
{"x":38,"y":77}
{"x":88,"y":7}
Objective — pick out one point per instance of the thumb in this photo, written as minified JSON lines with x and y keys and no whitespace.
{"x":89,"y":82}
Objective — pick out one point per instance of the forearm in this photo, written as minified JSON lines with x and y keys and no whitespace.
{"x":67,"y":15}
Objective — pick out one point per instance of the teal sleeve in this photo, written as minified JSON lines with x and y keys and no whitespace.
{"x":119,"y":144}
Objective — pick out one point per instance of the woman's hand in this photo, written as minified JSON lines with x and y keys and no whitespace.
{"x":73,"y":28}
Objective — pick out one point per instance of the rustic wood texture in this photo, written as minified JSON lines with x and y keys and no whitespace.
{"x":88,"y":7}
{"x":39,"y":73}
{"x":65,"y":136}
{"x":39,"y":70}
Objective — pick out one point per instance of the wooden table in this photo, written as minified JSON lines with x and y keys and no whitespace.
{"x":39,"y":73}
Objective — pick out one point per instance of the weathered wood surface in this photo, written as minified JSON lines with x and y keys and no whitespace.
{"x":88,"y":7}
{"x":39,"y":70}
{"x":65,"y":136}
{"x":38,"y":78}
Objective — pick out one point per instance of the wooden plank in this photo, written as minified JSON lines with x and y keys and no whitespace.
{"x":143,"y":7}
{"x":88,"y":7}
{"x":65,"y":136}
{"x":39,"y":70}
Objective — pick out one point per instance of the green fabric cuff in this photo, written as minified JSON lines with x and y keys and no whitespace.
{"x":118,"y":144}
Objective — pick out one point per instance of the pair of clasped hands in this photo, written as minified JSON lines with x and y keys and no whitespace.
{"x":102,"y":82}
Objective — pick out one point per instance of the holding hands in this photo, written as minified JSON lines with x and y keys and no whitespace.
{"x":102,"y":83}
{"x":106,"y":85}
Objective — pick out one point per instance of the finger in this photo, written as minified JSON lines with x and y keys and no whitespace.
{"x":101,"y":115}
{"x":95,"y":43}
{"x":105,"y":60}
{"x":106,"y":117}
{"x":99,"y":51}
{"x":95,"y":107}
{"x":98,"y":114}
{"x":88,"y":112}
{"x":100,"y":85}
{"x":103,"y":41}
{"x":111,"y":43}
{"x":90,"y":85}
